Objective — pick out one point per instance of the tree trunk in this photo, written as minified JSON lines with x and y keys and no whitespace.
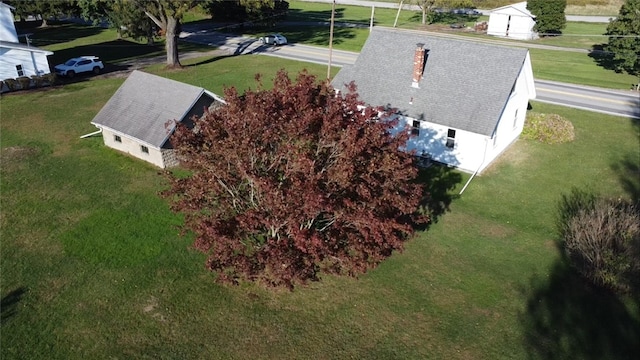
{"x":172,"y":42}
{"x":150,"y":41}
{"x":424,"y":16}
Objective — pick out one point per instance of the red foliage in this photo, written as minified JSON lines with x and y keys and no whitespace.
{"x":289,"y":182}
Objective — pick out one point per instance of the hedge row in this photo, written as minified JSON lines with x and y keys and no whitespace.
{"x":24,"y":82}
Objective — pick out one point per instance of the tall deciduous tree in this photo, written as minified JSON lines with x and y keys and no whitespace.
{"x":550,"y":19}
{"x":290,"y":182}
{"x":167,"y":14}
{"x":624,"y":38}
{"x":43,"y":8}
{"x":123,"y":15}
{"x":134,"y":15}
{"x":265,"y":12}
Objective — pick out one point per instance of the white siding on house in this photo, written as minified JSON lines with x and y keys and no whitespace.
{"x":513,"y":116}
{"x":474,"y":152}
{"x":32,"y":62}
{"x":133,"y":147}
{"x":467,"y":153}
{"x":7,"y":28}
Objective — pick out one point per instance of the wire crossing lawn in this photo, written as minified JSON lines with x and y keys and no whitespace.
{"x":93,"y":266}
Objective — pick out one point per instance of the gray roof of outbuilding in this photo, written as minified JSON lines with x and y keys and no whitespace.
{"x":144,"y":103}
{"x":465,"y":84}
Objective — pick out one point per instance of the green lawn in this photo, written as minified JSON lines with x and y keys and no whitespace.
{"x":576,"y":68}
{"x":579,"y":35}
{"x":93,"y":266}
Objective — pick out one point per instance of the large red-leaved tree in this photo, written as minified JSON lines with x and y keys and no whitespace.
{"x":290,"y":182}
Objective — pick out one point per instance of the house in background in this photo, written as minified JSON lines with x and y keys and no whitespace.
{"x":512,"y":21}
{"x":17,"y":59}
{"x":464,"y":102}
{"x":141,"y":115}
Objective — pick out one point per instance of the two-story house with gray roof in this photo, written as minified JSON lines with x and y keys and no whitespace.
{"x":141,"y":116}
{"x":464,"y":102}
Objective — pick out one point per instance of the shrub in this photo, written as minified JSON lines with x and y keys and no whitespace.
{"x":50,"y":79}
{"x":38,"y":81}
{"x":601,"y":238}
{"x":24,"y":81}
{"x":12,"y":84}
{"x":548,"y":128}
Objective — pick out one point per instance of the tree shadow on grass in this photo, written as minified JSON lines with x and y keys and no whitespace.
{"x":438,"y":182}
{"x":628,"y":171}
{"x":56,"y":32}
{"x":9,"y":302}
{"x":314,"y":16}
{"x":566,"y":318}
{"x":603,"y":58}
{"x":210,"y":60}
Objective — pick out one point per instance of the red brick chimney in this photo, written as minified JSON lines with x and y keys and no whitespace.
{"x":418,"y":66}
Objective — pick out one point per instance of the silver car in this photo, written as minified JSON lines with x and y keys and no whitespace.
{"x":273,"y":39}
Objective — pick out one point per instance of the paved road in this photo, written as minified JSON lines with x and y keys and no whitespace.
{"x":408,"y":6}
{"x":614,"y":102}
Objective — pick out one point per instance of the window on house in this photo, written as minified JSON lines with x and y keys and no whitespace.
{"x":515,"y":119}
{"x":20,"y":70}
{"x":117,"y":138}
{"x":451,"y":138}
{"x":144,"y":149}
{"x":415,"y":130}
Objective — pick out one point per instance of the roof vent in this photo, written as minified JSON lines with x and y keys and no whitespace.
{"x":418,"y":65}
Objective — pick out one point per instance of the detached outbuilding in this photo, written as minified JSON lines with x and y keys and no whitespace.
{"x":512,"y":21}
{"x":141,"y":116}
{"x":17,"y":59}
{"x":464,"y":102}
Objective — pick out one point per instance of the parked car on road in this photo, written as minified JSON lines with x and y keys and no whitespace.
{"x":273,"y":39}
{"x":79,"y":65}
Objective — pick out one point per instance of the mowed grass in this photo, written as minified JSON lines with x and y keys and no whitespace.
{"x":93,"y":265}
{"x":99,"y":270}
{"x":576,"y":68}
{"x":580,"y":35}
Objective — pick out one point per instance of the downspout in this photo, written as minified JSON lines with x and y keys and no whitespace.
{"x":91,"y":134}
{"x":484,"y":157}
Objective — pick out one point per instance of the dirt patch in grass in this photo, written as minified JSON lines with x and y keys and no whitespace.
{"x":54,"y":286}
{"x":516,"y":155}
{"x":14,"y":158}
{"x":496,"y":231}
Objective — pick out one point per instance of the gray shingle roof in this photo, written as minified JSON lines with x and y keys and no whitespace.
{"x":144,"y":103}
{"x":465,"y":84}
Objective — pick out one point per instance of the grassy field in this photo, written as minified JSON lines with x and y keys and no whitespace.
{"x":93,"y":265}
{"x":580,"y":35}
{"x":576,"y":68}
{"x":574,"y":7}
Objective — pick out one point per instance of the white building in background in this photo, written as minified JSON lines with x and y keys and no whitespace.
{"x":512,"y":21}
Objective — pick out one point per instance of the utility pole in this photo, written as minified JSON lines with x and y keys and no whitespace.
{"x":398,"y":13}
{"x":333,"y":11}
